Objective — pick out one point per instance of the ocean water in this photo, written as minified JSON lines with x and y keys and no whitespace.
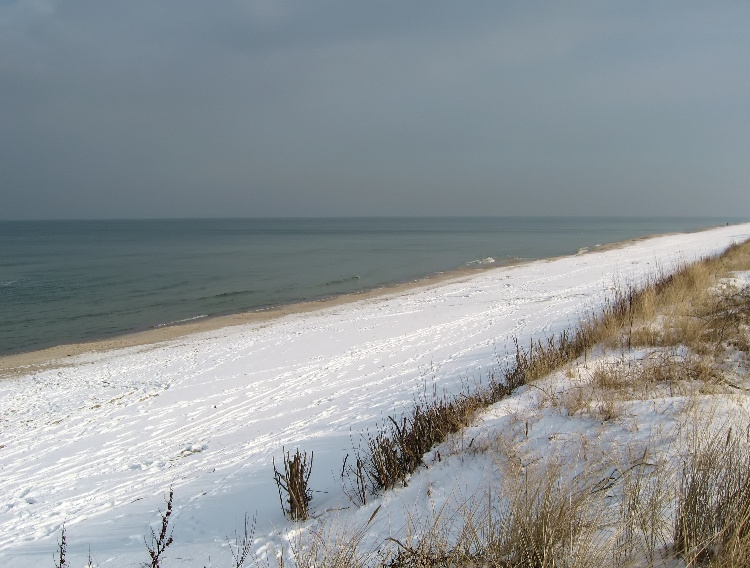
{"x":71,"y":281}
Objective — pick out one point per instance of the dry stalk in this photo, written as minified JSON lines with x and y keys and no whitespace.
{"x":160,"y":542}
{"x":62,"y":547}
{"x":293,"y":482}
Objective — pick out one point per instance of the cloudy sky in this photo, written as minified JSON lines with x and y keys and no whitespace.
{"x":185,"y":108}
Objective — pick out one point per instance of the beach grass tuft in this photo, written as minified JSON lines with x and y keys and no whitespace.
{"x":292,"y":482}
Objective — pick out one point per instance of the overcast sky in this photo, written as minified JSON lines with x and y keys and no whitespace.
{"x":195,"y":108}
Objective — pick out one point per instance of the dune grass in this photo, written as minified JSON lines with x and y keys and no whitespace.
{"x":684,"y":334}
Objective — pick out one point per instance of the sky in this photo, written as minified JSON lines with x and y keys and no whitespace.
{"x":229,"y":108}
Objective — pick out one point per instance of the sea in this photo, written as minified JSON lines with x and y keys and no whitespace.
{"x":73,"y":281}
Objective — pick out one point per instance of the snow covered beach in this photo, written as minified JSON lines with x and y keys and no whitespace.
{"x":97,"y":443}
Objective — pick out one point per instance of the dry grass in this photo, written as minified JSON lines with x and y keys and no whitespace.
{"x":292,"y":482}
{"x":540,"y":519}
{"x":646,"y":495}
{"x":658,"y":373}
{"x":642,"y":513}
{"x":546,"y":520}
{"x":712,"y":523}
{"x":695,"y":311}
{"x":398,"y":448}
{"x":329,"y":545}
{"x":686,"y":328}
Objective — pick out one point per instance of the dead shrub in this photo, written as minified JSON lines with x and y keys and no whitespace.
{"x":544,"y":357}
{"x":354,"y":480}
{"x":293,"y":483}
{"x":62,"y":548}
{"x":242,"y":545}
{"x":428,"y":543}
{"x":383,"y":462}
{"x":330,"y":545}
{"x":728,"y":316}
{"x":612,"y":376}
{"x":736,"y":257}
{"x":160,"y":542}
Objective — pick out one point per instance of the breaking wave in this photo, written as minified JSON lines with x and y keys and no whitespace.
{"x":185,"y":320}
{"x":480,"y":261}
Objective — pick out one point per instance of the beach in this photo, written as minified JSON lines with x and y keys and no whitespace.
{"x":55,"y":357}
{"x":94,"y":434}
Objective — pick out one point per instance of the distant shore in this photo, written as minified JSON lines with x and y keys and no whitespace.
{"x":30,"y":362}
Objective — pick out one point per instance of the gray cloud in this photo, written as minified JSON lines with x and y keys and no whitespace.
{"x":187,"y":108}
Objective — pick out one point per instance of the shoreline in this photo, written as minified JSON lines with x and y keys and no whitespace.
{"x":30,"y":362}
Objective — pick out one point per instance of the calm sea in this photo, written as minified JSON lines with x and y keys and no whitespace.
{"x":71,"y":281}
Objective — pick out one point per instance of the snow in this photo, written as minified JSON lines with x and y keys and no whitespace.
{"x":97,"y":443}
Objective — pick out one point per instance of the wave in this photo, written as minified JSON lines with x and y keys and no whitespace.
{"x":185,"y":320}
{"x":8,"y":283}
{"x":341,"y":281}
{"x":230,"y":294}
{"x":488,"y":260}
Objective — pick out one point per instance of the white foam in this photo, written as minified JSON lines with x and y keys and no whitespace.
{"x":185,"y":320}
{"x":488,"y":260}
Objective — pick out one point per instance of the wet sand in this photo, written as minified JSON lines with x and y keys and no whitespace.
{"x":55,"y":357}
